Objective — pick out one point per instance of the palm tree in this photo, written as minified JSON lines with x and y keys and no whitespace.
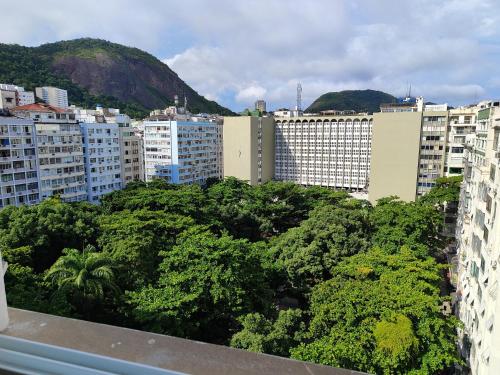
{"x":83,"y":276}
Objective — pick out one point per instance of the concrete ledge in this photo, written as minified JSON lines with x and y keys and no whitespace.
{"x":151,"y":349}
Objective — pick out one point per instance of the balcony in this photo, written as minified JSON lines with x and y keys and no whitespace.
{"x":43,"y":344}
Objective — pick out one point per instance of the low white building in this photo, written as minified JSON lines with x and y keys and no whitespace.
{"x":182,"y":150}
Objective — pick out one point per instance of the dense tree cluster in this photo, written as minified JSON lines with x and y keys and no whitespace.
{"x":308,"y":273}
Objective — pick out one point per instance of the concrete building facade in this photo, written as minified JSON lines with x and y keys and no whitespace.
{"x":432,"y":149}
{"x":326,"y":151}
{"x":130,"y":143}
{"x":19,"y":182}
{"x":249,"y":148}
{"x":434,"y":137}
{"x":7,"y":99}
{"x":53,"y":96}
{"x":478,"y":238}
{"x":260,"y":105}
{"x":461,"y":122}
{"x":101,"y":150}
{"x":132,"y":155}
{"x":60,"y":151}
{"x":22,"y":97}
{"x":395,"y":155}
{"x":182,"y":149}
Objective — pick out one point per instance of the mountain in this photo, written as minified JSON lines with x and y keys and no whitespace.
{"x":357,"y":100}
{"x":96,"y":71}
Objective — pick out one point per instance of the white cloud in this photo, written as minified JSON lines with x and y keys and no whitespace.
{"x":250,"y":93}
{"x":235,"y":51}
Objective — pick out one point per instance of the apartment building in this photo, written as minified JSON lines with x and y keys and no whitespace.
{"x":461,"y":122}
{"x":249,"y":148}
{"x":7,"y":100}
{"x":53,"y":96}
{"x":414,"y":144}
{"x":182,"y":149}
{"x":432,"y":149}
{"x":130,"y":142}
{"x":132,"y":155}
{"x":22,"y":97}
{"x":60,"y":151}
{"x":19,"y":182}
{"x":325,"y":151}
{"x":260,"y":105}
{"x":478,"y":237}
{"x":101,"y":150}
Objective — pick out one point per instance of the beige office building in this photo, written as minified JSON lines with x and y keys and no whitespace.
{"x":395,"y":155}
{"x":248,"y":144}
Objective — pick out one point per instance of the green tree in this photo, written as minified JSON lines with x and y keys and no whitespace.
{"x":447,"y":190}
{"x":157,"y":196}
{"x":262,"y":335}
{"x":308,"y":253}
{"x":417,"y":226}
{"x":229,"y":209}
{"x":205,"y":284}
{"x":361,"y":317}
{"x":135,"y":239}
{"x":83,"y":277}
{"x":47,"y":228}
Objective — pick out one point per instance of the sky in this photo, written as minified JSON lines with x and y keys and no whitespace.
{"x":236,"y":51}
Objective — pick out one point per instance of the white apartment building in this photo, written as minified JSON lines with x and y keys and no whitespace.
{"x":22,"y":97}
{"x":131,"y":143}
{"x":101,"y":149}
{"x":326,"y":151}
{"x":18,"y":162}
{"x":60,"y":151}
{"x":461,"y":122}
{"x":182,"y":150}
{"x":53,"y":96}
{"x":478,"y":237}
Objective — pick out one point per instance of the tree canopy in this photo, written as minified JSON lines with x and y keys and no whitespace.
{"x":302,"y":272}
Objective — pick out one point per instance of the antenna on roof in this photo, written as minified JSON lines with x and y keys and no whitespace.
{"x":299,"y":97}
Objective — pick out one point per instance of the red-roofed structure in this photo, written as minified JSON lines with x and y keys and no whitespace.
{"x":39,"y":107}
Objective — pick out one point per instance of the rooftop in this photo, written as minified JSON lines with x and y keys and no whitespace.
{"x":78,"y":344}
{"x":39,"y":107}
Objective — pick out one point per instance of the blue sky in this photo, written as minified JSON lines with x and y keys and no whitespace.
{"x":237,"y":51}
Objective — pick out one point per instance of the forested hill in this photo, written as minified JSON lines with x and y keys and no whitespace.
{"x":96,"y":71}
{"x":357,"y":100}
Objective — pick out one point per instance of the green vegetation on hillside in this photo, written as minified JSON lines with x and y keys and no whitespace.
{"x":357,"y":100}
{"x":37,"y":66}
{"x":308,"y":273}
